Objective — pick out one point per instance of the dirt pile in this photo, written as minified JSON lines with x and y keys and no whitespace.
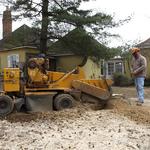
{"x":140,"y":114}
{"x":78,"y":128}
{"x":76,"y":112}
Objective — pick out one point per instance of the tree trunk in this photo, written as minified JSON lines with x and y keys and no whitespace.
{"x":44,"y":27}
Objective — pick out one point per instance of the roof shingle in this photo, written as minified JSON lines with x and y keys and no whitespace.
{"x":23,"y":36}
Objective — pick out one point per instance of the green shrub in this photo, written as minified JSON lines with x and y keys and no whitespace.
{"x":121,"y":80}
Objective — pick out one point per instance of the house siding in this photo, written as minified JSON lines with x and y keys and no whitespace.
{"x":20,"y":51}
{"x":146,"y":53}
{"x":92,"y":69}
{"x":67,"y":63}
{"x":4,"y":55}
{"x":63,"y":63}
{"x":127,"y":68}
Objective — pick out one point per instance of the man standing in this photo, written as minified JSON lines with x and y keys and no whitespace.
{"x":138,"y":65}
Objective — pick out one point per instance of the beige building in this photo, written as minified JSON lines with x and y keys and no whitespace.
{"x":145,"y":50}
{"x":16,"y":56}
{"x":17,"y":46}
{"x":67,"y":62}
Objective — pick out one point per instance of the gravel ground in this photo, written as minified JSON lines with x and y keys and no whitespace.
{"x":86,"y":130}
{"x":121,"y":126}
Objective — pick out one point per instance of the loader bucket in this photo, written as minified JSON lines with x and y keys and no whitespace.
{"x":97,"y":88}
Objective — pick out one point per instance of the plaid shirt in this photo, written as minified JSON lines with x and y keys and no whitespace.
{"x":139,"y":66}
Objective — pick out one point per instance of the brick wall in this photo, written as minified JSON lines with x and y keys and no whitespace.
{"x":7,"y":22}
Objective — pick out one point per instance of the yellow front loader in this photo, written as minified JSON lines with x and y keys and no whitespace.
{"x":43,"y":90}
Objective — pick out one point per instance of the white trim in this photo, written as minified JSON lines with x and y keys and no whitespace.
{"x":114,"y":66}
{"x":10,"y":59}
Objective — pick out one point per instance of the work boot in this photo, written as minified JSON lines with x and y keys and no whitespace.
{"x":139,"y":103}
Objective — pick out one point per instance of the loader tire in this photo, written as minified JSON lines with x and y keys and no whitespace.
{"x":63,"y":101}
{"x":6,"y":105}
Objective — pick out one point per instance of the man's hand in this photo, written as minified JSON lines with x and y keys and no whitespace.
{"x":133,"y":73}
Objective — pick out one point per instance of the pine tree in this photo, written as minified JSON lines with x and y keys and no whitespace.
{"x":58,"y":17}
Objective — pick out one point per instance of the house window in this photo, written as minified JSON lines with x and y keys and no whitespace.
{"x":13,"y":60}
{"x":110,"y":68}
{"x":119,"y":67}
{"x":115,"y":67}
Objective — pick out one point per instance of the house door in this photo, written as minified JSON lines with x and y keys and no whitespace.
{"x":110,"y":69}
{"x":52,"y":64}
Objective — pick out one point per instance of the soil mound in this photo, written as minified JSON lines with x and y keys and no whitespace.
{"x":140,"y":114}
{"x":75,"y":112}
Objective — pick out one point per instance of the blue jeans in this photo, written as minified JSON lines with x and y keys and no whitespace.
{"x":139,"y":84}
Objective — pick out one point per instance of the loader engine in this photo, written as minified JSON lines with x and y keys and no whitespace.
{"x":37,"y":72}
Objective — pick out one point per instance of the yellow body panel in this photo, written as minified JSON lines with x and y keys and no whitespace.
{"x":56,"y":80}
{"x":11,"y":79}
{"x":64,"y":80}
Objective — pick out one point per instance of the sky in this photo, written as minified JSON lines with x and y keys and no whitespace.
{"x":138,"y":29}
